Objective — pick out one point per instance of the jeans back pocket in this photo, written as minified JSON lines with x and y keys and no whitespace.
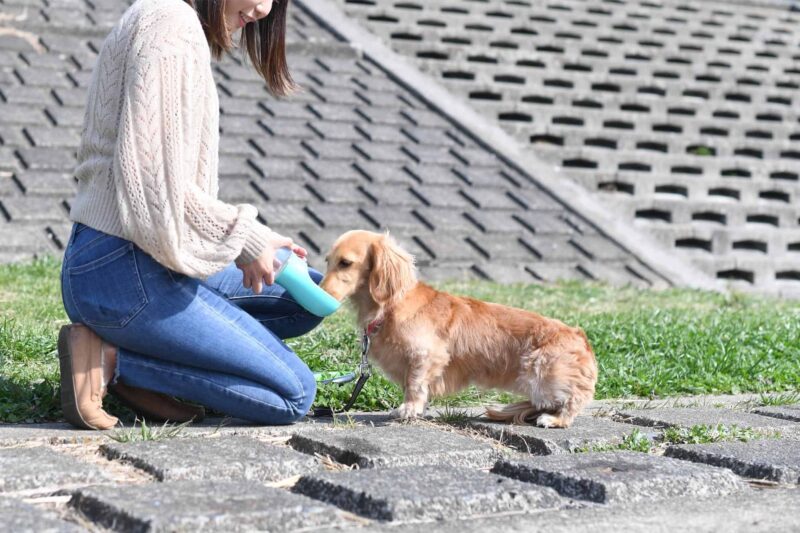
{"x":107,"y":291}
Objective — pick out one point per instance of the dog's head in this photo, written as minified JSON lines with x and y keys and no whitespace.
{"x":368,"y":266}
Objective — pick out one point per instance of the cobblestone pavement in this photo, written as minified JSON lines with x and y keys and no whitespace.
{"x":448,"y":472}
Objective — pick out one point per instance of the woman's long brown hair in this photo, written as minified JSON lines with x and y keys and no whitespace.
{"x":264,"y":40}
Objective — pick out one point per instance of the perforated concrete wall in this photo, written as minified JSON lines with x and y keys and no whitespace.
{"x":684,"y":117}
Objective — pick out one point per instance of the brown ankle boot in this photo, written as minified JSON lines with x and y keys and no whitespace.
{"x":81,"y":356}
{"x":155,"y":406}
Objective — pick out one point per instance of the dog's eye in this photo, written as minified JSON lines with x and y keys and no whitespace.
{"x":344,"y":263}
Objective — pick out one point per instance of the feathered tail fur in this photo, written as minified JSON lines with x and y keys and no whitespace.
{"x":516,"y":413}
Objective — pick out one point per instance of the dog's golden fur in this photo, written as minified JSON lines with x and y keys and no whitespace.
{"x":434,"y":343}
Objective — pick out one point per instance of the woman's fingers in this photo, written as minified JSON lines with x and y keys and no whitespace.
{"x":301,"y":252}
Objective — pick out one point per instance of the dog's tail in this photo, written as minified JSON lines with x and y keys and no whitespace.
{"x":517,"y":413}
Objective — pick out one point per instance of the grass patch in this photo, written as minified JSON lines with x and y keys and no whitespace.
{"x":706,"y":434}
{"x":635,"y":442}
{"x":648,"y":344}
{"x":454,"y":416}
{"x":698,"y":434}
{"x":783,"y":398}
{"x":147,"y":433}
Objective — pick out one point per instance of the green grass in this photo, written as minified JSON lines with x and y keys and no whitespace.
{"x":698,"y":434}
{"x":648,"y":344}
{"x":778,"y":399}
{"x":635,"y":442}
{"x":145,"y":432}
{"x":453,"y":416}
{"x":704,"y":434}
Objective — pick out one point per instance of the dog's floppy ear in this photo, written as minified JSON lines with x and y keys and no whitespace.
{"x":392,"y":270}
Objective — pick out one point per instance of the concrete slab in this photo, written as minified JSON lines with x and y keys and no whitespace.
{"x":53,"y":433}
{"x":63,"y":433}
{"x":620,"y":477}
{"x":688,"y":417}
{"x":701,"y":400}
{"x":585,"y":432}
{"x":773,"y":511}
{"x":223,"y":458}
{"x":207,"y":505}
{"x":20,"y":517}
{"x":40,"y":468}
{"x":786,"y":412}
{"x":430,"y":492}
{"x":773,"y":459}
{"x":395,"y":445}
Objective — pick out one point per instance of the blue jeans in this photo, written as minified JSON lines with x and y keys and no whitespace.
{"x":213,"y":342}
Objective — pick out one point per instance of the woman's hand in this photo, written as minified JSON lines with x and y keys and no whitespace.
{"x":262,"y":269}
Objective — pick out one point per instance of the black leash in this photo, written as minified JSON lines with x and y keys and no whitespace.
{"x":364,"y":372}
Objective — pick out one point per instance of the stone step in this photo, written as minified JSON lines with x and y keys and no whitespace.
{"x":396,"y":445}
{"x":620,"y":477}
{"x":787,"y":412}
{"x":771,"y":459}
{"x":427,"y":493}
{"x":223,"y":458}
{"x":688,"y":417}
{"x":207,"y":505}
{"x":766,"y":511}
{"x":585,"y":432}
{"x":40,"y":469}
{"x":20,"y":517}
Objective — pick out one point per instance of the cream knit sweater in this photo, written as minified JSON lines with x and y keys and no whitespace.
{"x":148,"y":158}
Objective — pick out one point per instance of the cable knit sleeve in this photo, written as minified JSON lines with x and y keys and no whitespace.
{"x":166,"y":184}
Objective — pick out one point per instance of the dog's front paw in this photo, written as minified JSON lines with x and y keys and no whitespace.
{"x":407,"y":411}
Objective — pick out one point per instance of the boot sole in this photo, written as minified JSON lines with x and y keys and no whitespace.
{"x":69,"y":402}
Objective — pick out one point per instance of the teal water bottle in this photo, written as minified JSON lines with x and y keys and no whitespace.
{"x":291,"y":273}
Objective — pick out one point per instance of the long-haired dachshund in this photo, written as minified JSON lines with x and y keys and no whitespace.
{"x":434,"y":343}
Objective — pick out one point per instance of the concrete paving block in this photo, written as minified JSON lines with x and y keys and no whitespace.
{"x":51,"y":433}
{"x":20,"y":517}
{"x":58,"y":159}
{"x":41,"y":468}
{"x":586,"y":431}
{"x":395,"y":445}
{"x":431,"y":492}
{"x":46,"y":184}
{"x":223,"y":458}
{"x":620,"y":477}
{"x":749,"y":512}
{"x":688,"y":417}
{"x":206,"y":505}
{"x":8,"y":159}
{"x":16,"y":237}
{"x":34,"y":209}
{"x":786,"y":412}
{"x":772,"y":459}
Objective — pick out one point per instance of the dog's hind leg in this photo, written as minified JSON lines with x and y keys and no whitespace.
{"x":565,"y":389}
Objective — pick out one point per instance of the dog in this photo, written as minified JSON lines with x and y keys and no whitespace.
{"x":433,"y":343}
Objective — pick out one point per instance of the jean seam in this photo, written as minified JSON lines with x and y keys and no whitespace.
{"x":284,"y":317}
{"x":100,"y":261}
{"x":232,"y":298}
{"x":184,"y":375}
{"x":84,"y":245}
{"x":250,"y":338}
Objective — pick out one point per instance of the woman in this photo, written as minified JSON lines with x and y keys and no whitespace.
{"x":164,"y":281}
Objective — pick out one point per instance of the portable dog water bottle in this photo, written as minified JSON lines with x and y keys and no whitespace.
{"x":291,"y":273}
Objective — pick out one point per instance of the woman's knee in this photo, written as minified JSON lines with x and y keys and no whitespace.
{"x":301,"y":402}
